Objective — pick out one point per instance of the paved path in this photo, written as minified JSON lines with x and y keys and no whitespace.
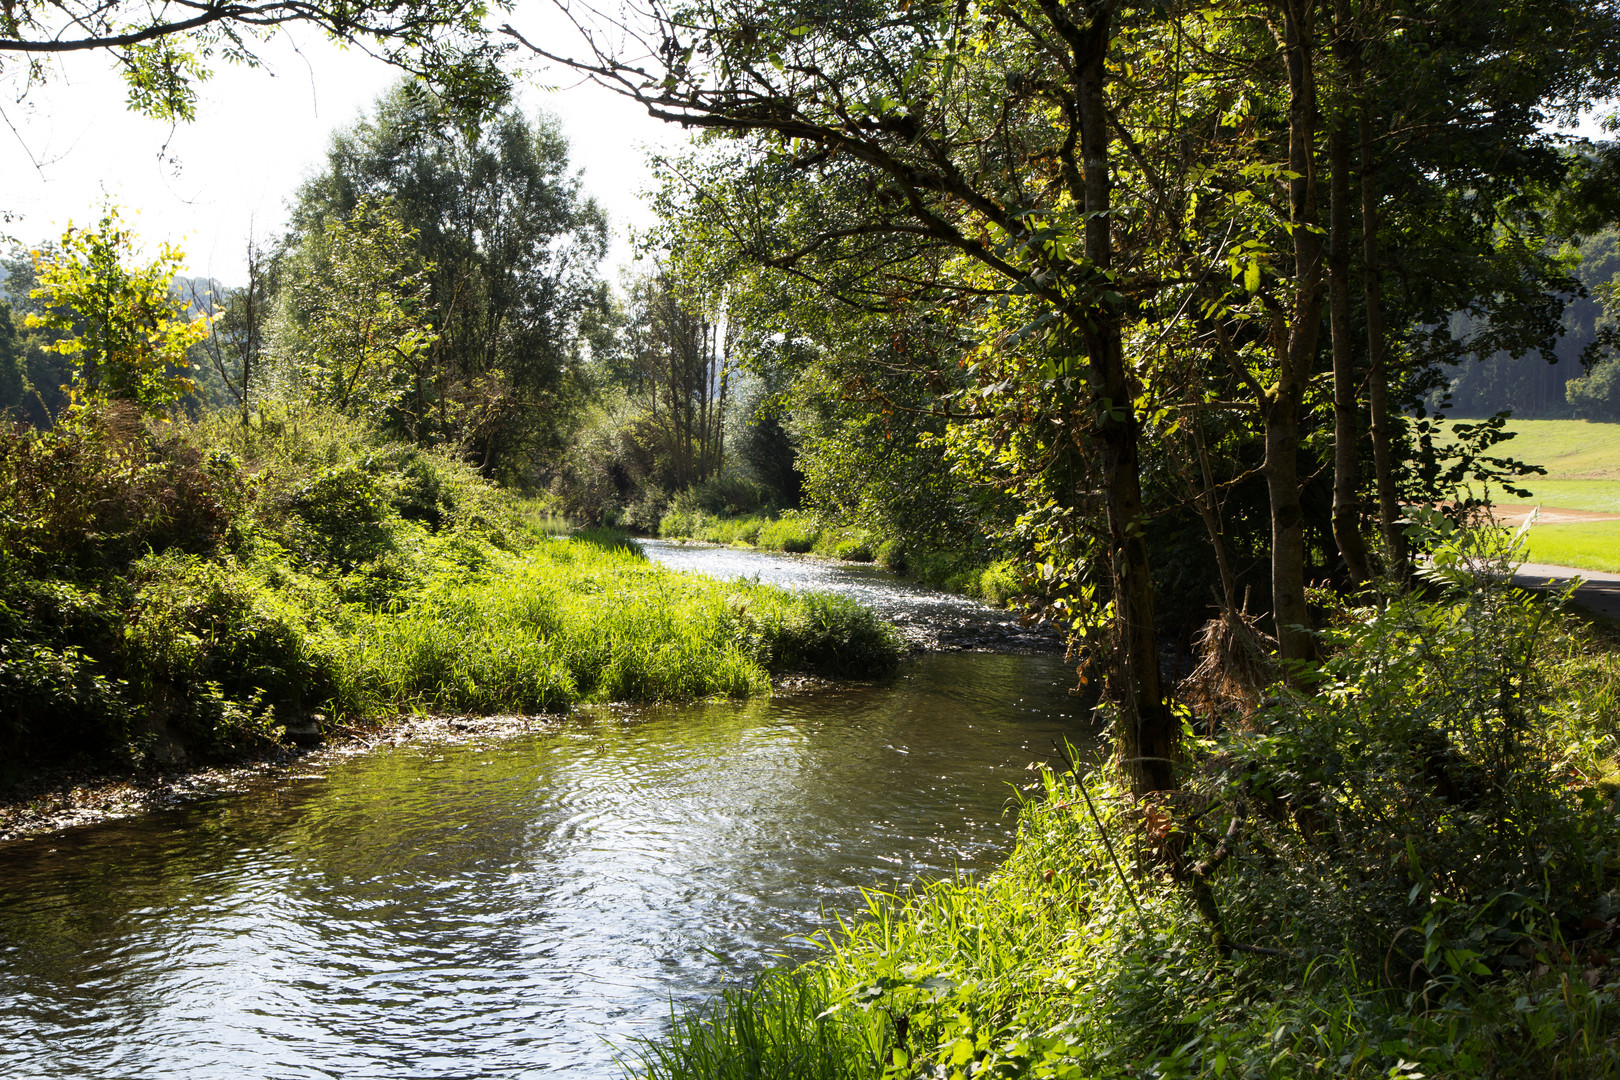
{"x":1598,"y":592}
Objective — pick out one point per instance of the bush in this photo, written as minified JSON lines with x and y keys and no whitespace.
{"x":1000,"y":583}
{"x":102,"y":488}
{"x":791,"y":532}
{"x":850,"y":545}
{"x":1596,"y":395}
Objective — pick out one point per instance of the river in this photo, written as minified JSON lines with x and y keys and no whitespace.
{"x":518,"y":907}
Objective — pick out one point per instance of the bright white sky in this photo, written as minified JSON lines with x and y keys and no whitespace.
{"x":207,"y":186}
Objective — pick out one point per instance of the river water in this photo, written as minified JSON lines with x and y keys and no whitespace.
{"x":510,"y":908}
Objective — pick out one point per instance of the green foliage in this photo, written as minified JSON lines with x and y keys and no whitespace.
{"x":162,"y":57}
{"x":180,"y":590}
{"x":358,"y":330}
{"x":102,"y":487}
{"x":792,"y":532}
{"x":1596,"y":395}
{"x":495,"y":249}
{"x":696,"y":525}
{"x":116,"y":319}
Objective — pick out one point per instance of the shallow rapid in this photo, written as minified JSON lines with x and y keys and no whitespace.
{"x":926,"y":618}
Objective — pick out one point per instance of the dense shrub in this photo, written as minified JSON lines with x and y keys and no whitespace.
{"x":225,"y":582}
{"x":103,"y":487}
{"x":791,"y":532}
{"x":1596,"y":395}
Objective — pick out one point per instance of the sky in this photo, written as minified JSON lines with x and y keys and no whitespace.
{"x":209,"y":185}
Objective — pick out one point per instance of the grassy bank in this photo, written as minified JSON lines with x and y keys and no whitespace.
{"x":1408,"y":873}
{"x":179,"y":592}
{"x":1589,"y":545}
{"x":1572,"y":451}
{"x":994,"y":582}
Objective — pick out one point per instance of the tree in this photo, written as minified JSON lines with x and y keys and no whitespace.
{"x":509,"y":247}
{"x":902,"y":102}
{"x":163,"y":49}
{"x":683,"y":354}
{"x":116,"y":319}
{"x":236,"y":329}
{"x":355,"y":329}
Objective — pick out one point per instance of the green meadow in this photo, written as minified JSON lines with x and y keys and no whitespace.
{"x":1582,"y":459}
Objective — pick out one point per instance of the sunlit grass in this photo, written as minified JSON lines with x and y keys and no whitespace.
{"x":1600,"y":496}
{"x":591,"y":620}
{"x":1586,"y":545}
{"x":1567,"y":449}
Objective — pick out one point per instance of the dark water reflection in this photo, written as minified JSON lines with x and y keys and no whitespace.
{"x":504,"y":910}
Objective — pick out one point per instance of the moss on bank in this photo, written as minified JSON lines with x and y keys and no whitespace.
{"x":187,"y":591}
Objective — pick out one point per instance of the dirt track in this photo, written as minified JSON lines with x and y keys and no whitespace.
{"x":1550,"y":515}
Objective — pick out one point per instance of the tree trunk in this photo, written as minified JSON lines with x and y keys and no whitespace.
{"x":1346,"y":509}
{"x":1295,"y":346}
{"x":1147,"y":731}
{"x":1383,"y":434}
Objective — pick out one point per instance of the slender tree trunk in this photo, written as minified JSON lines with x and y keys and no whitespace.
{"x":1383,"y":434}
{"x":1147,"y":731}
{"x":1209,"y":508}
{"x":1295,"y":346}
{"x":1346,"y":510}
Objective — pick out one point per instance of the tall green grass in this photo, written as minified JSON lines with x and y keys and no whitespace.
{"x":589,"y":619}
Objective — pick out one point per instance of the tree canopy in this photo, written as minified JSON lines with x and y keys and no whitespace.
{"x":164,"y":49}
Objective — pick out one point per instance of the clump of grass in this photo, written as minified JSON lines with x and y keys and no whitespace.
{"x":710,"y":528}
{"x":792,"y":532}
{"x":774,"y":1029}
{"x":851,"y":544}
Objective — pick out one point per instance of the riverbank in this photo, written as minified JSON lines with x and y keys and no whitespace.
{"x":183,"y":595}
{"x":925,"y":619}
{"x":994,"y":582}
{"x":1406,"y":873}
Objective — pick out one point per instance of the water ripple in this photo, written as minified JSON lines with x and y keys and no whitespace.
{"x":503,"y":911}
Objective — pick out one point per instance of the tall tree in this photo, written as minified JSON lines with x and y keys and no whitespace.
{"x":511,"y":245}
{"x":938,"y":112}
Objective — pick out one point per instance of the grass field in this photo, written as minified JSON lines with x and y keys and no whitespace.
{"x":1582,"y":460}
{"x":1567,"y":449}
{"x":1588,"y":545}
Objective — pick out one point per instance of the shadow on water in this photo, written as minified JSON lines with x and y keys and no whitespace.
{"x":512,"y":908}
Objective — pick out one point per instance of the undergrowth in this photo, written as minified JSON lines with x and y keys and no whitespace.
{"x":175,"y":591}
